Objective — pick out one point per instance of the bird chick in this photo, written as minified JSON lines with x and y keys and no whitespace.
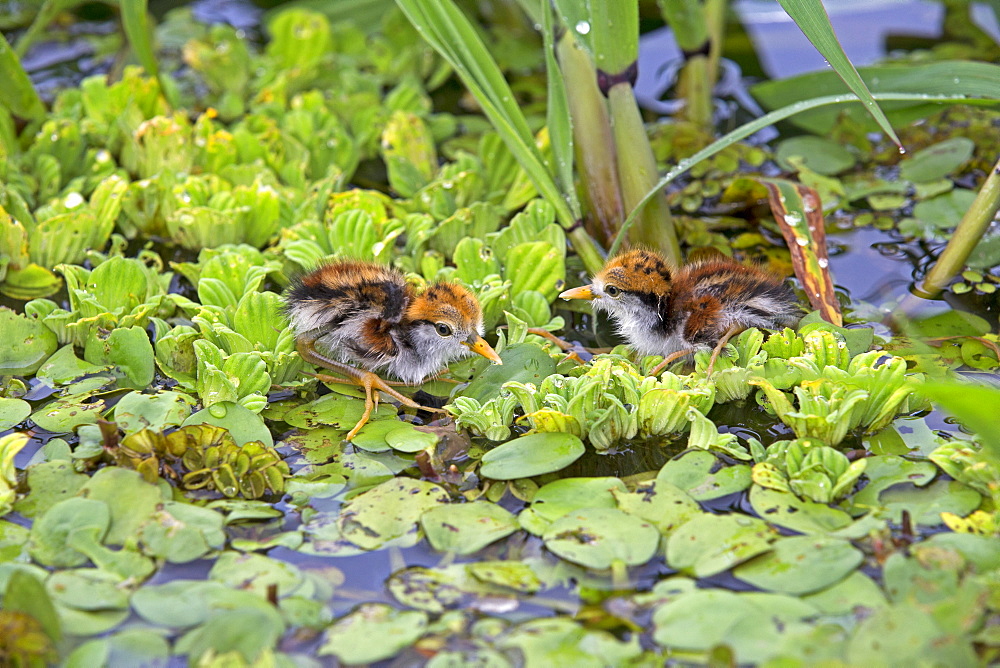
{"x":352,"y":314}
{"x":663,"y":310}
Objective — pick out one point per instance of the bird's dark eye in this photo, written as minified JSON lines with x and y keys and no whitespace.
{"x":443,"y":329}
{"x":612,"y":291}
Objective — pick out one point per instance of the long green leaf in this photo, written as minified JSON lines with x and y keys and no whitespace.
{"x":446,"y":29}
{"x":614,"y":28}
{"x":135,"y":21}
{"x":18,"y":94}
{"x":748,"y":129}
{"x":811,"y":18}
{"x":952,"y":77}
{"x":557,"y":116}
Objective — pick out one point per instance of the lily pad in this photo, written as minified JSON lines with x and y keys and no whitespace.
{"x":513,"y":575}
{"x":856,"y":591}
{"x":13,"y":412}
{"x":564,"y":642}
{"x":601,"y":537}
{"x":789,"y":511}
{"x":710,"y":544}
{"x":432,"y":590}
{"x":87,"y":589}
{"x":703,"y":476}
{"x":389,"y":512}
{"x":662,"y":504}
{"x":334,"y":410}
{"x":137,"y":411}
{"x":561,"y":497}
{"x":467,"y":527}
{"x":181,"y":532}
{"x":938,"y":160}
{"x":819,"y":154}
{"x":407,"y":438}
{"x":532,"y":455}
{"x":50,"y":483}
{"x":64,"y":367}
{"x":130,"y":499}
{"x":350,"y":637}
{"x":51,"y":533}
{"x":127,"y":648}
{"x":128,"y":349}
{"x":258,"y":573}
{"x":27,"y":344}
{"x":801,"y":565}
{"x":66,"y":414}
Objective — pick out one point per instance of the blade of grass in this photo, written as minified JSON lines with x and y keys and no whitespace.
{"x":557,"y":115}
{"x":135,"y":21}
{"x":19,"y":95}
{"x":748,"y":129}
{"x":450,"y":33}
{"x":811,"y":18}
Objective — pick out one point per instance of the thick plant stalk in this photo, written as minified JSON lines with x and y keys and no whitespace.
{"x":968,"y":233}
{"x":593,"y":140}
{"x":654,"y":227}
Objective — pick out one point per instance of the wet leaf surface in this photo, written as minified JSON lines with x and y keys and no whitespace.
{"x":531,"y":455}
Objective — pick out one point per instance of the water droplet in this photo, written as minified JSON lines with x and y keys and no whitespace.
{"x":802,"y":241}
{"x":823,"y":262}
{"x":583,"y":27}
{"x":73,"y":200}
{"x":793,"y":218}
{"x":217,"y":410}
{"x":229,"y":491}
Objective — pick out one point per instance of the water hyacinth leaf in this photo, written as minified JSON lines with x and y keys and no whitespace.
{"x":129,"y":350}
{"x":242,"y":424}
{"x":565,"y":642}
{"x":407,"y":438}
{"x":247,"y":632}
{"x":65,"y":415}
{"x":801,"y":565}
{"x":710,"y":544}
{"x":64,"y":366}
{"x":817,"y":153}
{"x":388,"y":512}
{"x":186,"y":603}
{"x":561,"y":497}
{"x":130,"y":499}
{"x":531,"y":455}
{"x":334,"y":410}
{"x":663,"y":505}
{"x":522,"y":362}
{"x":937,"y":161}
{"x":394,"y":629}
{"x":602,"y":537}
{"x":703,"y":476}
{"x":49,"y":483}
{"x":137,"y":411}
{"x":430,"y":590}
{"x":126,"y":648}
{"x":28,"y":344}
{"x":258,"y":573}
{"x":753,"y":625}
{"x":181,"y":532}
{"x":51,"y":533}
{"x":514,"y":575}
{"x":13,"y":412}
{"x":799,"y":213}
{"x":468,"y":527}
{"x":786,"y":510}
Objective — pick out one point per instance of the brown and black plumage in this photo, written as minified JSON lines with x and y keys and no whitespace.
{"x":664,"y":310}
{"x":352,"y":314}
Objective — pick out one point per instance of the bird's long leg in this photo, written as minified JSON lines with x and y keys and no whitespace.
{"x":730,"y":333}
{"x":669,"y":359}
{"x":371,"y":382}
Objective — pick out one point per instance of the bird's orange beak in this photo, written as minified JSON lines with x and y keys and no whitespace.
{"x":478,"y":345}
{"x":582,"y":292}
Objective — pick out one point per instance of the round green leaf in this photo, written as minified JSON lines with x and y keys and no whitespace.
{"x":407,"y":438}
{"x":710,"y":544}
{"x":599,"y":537}
{"x":243,"y":424}
{"x":560,"y":497}
{"x":699,"y":474}
{"x":13,"y":412}
{"x":388,"y":512}
{"x":27,"y":344}
{"x":465,"y":528}
{"x":371,"y":633}
{"x":819,"y":154}
{"x":532,"y":455}
{"x":801,"y":565}
{"x":137,"y":411}
{"x":937,"y":161}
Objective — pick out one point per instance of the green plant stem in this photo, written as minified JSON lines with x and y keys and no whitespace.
{"x":748,"y":129}
{"x":968,"y":233}
{"x":695,"y":87}
{"x":588,"y":250}
{"x":637,"y":172}
{"x":594,"y":143}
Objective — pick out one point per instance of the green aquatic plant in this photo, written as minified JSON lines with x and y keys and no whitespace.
{"x":809,"y":469}
{"x":205,"y":457}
